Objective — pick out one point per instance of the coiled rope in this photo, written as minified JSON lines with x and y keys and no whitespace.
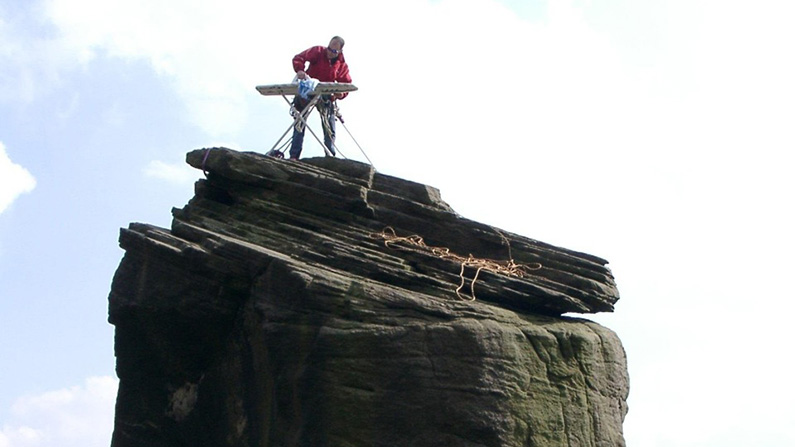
{"x":416,"y":244}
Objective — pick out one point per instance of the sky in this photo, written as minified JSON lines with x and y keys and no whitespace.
{"x":657,"y":135}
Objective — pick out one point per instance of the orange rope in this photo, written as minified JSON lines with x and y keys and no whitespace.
{"x":417,"y":244}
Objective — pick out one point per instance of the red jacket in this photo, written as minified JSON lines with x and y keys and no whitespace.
{"x":321,"y":68}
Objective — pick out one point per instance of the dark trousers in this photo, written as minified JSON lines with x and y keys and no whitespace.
{"x":327,"y":115}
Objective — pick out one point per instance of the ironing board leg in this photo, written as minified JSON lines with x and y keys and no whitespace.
{"x":302,"y":117}
{"x":298,"y":117}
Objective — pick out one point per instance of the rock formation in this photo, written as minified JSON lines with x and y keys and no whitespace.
{"x":320,"y":303}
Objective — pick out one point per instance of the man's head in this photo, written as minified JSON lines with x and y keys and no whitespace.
{"x":334,"y":47}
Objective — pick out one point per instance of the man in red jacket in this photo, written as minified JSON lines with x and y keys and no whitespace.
{"x":326,"y":64}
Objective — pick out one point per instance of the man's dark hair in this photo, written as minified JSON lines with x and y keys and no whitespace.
{"x":340,"y":40}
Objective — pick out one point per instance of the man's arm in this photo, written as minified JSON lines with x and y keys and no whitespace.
{"x":343,"y":76}
{"x":300,"y":59}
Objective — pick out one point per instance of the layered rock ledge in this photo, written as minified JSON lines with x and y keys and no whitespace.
{"x":322,"y":303}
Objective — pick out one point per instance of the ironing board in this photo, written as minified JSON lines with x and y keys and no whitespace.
{"x":322,"y":88}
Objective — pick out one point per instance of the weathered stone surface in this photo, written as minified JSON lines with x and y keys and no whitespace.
{"x":273,"y":314}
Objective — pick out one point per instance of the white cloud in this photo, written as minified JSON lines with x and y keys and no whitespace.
{"x":30,"y":64}
{"x":14,"y":180}
{"x":468,"y":75}
{"x":78,"y":416}
{"x":176,"y":173}
{"x":524,"y":75}
{"x":213,"y":51}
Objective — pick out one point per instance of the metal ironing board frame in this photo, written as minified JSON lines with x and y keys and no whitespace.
{"x":322,"y":88}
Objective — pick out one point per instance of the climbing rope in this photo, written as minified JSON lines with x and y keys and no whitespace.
{"x":342,"y":121}
{"x":204,"y":161}
{"x":416,"y":244}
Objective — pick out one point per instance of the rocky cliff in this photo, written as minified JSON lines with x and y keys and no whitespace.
{"x":320,"y":303}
